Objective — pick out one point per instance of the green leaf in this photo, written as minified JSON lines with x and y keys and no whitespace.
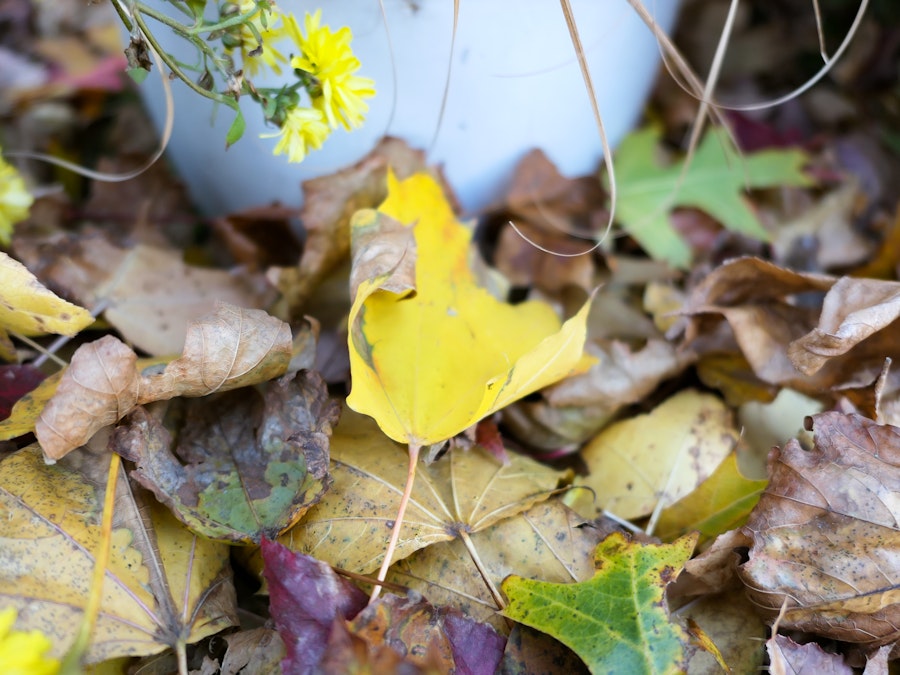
{"x":714,"y":182}
{"x":138,"y":75}
{"x":236,"y":130}
{"x":618,"y":620}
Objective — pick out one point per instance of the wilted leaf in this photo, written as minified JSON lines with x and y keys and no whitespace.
{"x":548,"y":542}
{"x":430,"y":364}
{"x":618,"y":620}
{"x":714,"y":182}
{"x":660,"y":457}
{"x":437,"y":637}
{"x":151,"y":294}
{"x":464,"y":491}
{"x":227,"y":349}
{"x":854,"y":310}
{"x":29,"y":308}
{"x":720,"y":503}
{"x":825,"y":533}
{"x":163,"y":587}
{"x":242,"y":465}
{"x":306,"y":598}
{"x":787,"y":657}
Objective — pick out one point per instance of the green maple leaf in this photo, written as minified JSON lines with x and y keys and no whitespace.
{"x":617,"y":621}
{"x":714,"y":182}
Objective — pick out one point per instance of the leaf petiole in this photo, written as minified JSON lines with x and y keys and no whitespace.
{"x":398,"y":523}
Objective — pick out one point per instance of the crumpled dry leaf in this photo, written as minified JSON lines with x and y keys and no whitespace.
{"x":825,"y":533}
{"x":639,"y":463}
{"x":854,"y":310}
{"x":328,"y":204}
{"x":545,"y":205}
{"x":150,"y":294}
{"x":462,"y":492}
{"x":240,"y":465}
{"x":163,"y":585}
{"x":786,"y":657}
{"x":227,"y":349}
{"x":773,"y":314}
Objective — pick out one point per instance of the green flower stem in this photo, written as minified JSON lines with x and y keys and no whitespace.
{"x":174,"y":67}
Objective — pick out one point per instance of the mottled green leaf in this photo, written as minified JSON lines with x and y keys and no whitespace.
{"x":618,"y":620}
{"x":243,"y":465}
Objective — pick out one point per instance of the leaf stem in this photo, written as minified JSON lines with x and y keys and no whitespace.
{"x":72,"y":659}
{"x":398,"y":523}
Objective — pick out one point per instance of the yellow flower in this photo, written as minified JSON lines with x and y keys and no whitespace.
{"x":255,"y":55}
{"x":22,"y":653}
{"x":303,"y":128}
{"x":328,"y":58}
{"x":15,"y":200}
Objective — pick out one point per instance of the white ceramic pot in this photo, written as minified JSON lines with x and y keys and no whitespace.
{"x":515,"y":84}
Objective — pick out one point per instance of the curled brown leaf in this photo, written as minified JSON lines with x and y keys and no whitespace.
{"x":229,"y":348}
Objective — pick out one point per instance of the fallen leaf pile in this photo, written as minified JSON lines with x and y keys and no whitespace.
{"x":370,"y":435}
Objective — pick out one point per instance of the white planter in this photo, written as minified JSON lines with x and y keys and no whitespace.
{"x":515,"y":84}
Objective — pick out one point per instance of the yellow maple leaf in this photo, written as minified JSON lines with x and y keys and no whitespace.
{"x":30,"y":308}
{"x":430,"y":364}
{"x":431,"y":352}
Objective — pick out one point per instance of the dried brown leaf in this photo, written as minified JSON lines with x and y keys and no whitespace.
{"x":854,"y":311}
{"x":229,"y":348}
{"x":150,"y":293}
{"x":825,"y":533}
{"x":786,"y":657}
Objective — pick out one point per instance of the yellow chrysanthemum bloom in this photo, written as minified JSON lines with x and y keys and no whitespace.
{"x":303,"y":128}
{"x":15,"y":200}
{"x":23,"y":653}
{"x":256,"y":56}
{"x":328,"y":58}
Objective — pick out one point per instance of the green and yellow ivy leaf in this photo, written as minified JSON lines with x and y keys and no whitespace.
{"x":714,"y":182}
{"x":431,"y":352}
{"x":618,"y":620}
